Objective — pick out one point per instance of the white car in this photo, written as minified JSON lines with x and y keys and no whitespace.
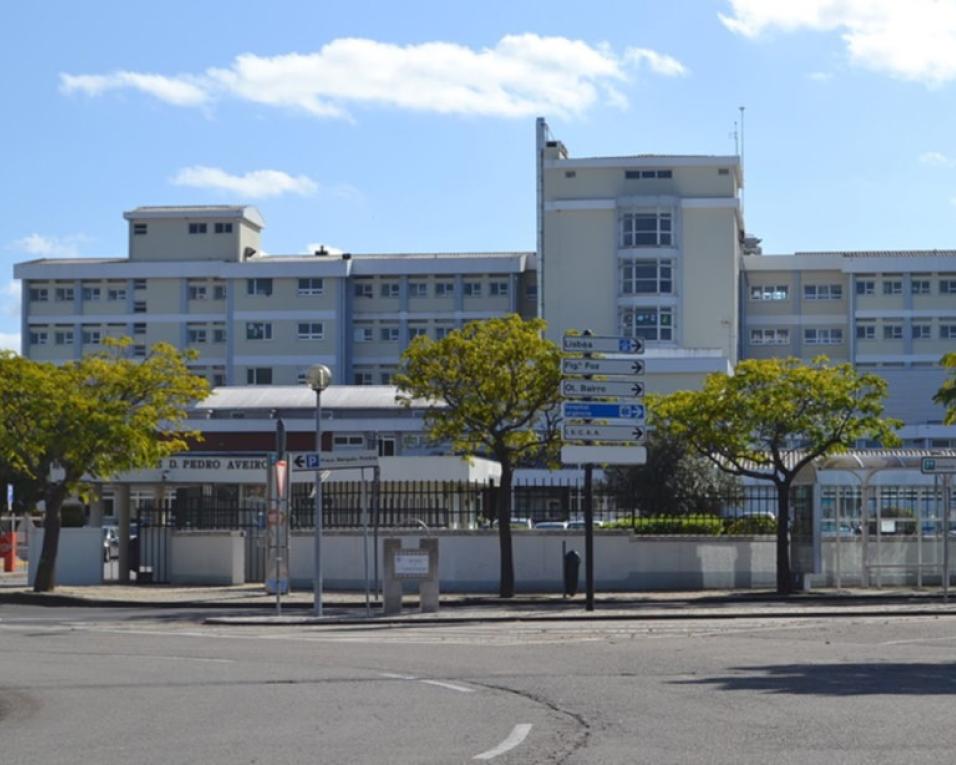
{"x":551,"y":525}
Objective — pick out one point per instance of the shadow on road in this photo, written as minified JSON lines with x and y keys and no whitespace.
{"x":839,"y":679}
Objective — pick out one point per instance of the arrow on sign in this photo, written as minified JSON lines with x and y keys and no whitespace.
{"x":591,"y":432}
{"x":582,"y":388}
{"x":602,"y":366}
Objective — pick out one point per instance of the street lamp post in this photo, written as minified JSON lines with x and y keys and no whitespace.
{"x":318,"y":377}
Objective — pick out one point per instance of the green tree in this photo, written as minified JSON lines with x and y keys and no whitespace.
{"x":947,"y":393}
{"x":772,"y":418}
{"x":497,"y":382}
{"x":92,"y":418}
{"x":675,"y":480}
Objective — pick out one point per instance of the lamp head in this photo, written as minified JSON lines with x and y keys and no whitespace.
{"x":318,"y":377}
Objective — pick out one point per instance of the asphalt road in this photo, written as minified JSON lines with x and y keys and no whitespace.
{"x":118,"y":686}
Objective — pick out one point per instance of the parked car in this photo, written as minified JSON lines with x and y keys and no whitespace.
{"x":110,"y":543}
{"x":551,"y":525}
{"x":578,"y":523}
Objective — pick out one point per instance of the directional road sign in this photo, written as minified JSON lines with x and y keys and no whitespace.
{"x":601,"y":344}
{"x":602,"y":366}
{"x":938,"y":465}
{"x":599,"y":389}
{"x":634,"y":433}
{"x":603,"y":455}
{"x":333,"y":460}
{"x":597,"y":411}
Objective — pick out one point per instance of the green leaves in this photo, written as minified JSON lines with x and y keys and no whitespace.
{"x":947,"y":393}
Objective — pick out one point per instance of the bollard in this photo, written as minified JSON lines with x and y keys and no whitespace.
{"x":8,"y":550}
{"x":572,"y":565}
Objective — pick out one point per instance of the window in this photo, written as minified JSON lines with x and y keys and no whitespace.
{"x":91,"y":293}
{"x":259,"y":287}
{"x":139,"y":284}
{"x":301,"y":375}
{"x":223,"y":228}
{"x":823,"y":336}
{"x":39,"y":294}
{"x":363,"y":289}
{"x":386,"y":446}
{"x":389,"y":289}
{"x":947,"y":331}
{"x":258,"y":330}
{"x":198,"y":292}
{"x":139,"y":229}
{"x":38,"y":338}
{"x":197,"y":228}
{"x":947,"y":287}
{"x":64,"y":294}
{"x":770,"y":292}
{"x":116,"y":294}
{"x":418,"y":289}
{"x":646,"y":277}
{"x":363,"y":378}
{"x":445,"y":289}
{"x":650,"y":229}
{"x":442,"y":332}
{"x":893,"y":287}
{"x":651,"y":323}
{"x":389,"y":334}
{"x":531,"y":290}
{"x":770,"y":337}
{"x":63,"y":337}
{"x":139,"y":329}
{"x":310,"y":330}
{"x":139,"y":306}
{"x":139,"y":351}
{"x":498,"y":289}
{"x":921,"y":331}
{"x":259,"y":376}
{"x":196,"y":334}
{"x":414,"y":332}
{"x":363,"y":335}
{"x":822,"y":292}
{"x":219,"y":292}
{"x":350,"y":440}
{"x":218,"y":334}
{"x":311,"y":286}
{"x":472,"y":289}
{"x":91,"y":337}
{"x":892,"y":331}
{"x":865,"y":287}
{"x":920,"y":286}
{"x":865,"y":332}
{"x":218,"y":379}
{"x":632,"y":174}
{"x":386,"y":378}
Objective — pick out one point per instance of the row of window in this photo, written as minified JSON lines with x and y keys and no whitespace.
{"x":650,"y":323}
{"x":895,"y":286}
{"x":647,"y":277}
{"x":811,"y":336}
{"x":918,"y":331}
{"x":633,"y":174}
{"x":305,"y":330}
{"x":390,"y":333}
{"x":777,"y":292}
{"x":646,"y":229}
{"x":825,"y":336}
{"x":205,"y":291}
{"x":141,"y":229}
{"x":364,"y":289}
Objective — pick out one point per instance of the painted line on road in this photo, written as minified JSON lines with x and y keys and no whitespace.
{"x":517,"y":735}
{"x":918,"y":640}
{"x":450,"y":686}
{"x":397,"y":677}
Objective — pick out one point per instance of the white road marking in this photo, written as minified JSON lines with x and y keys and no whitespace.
{"x":450,"y":686}
{"x":397,"y":677}
{"x":517,"y":735}
{"x":918,"y":640}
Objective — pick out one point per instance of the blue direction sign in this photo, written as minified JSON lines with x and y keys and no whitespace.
{"x":601,"y":344}
{"x":575,"y":410}
{"x":306,"y":461}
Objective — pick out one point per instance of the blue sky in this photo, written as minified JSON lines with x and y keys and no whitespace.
{"x":377,"y":126}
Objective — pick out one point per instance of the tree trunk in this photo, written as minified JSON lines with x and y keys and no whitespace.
{"x":506,"y":587}
{"x":46,"y":568}
{"x":784,"y":576}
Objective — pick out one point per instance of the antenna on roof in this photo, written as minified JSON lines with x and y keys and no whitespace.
{"x":741,"y":155}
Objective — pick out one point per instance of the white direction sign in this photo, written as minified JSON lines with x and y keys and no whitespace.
{"x":938,"y":465}
{"x":597,"y":410}
{"x":601,"y":344}
{"x":603,"y":455}
{"x":633,"y":433}
{"x":600,"y":388}
{"x":333,"y":460}
{"x":602,"y":366}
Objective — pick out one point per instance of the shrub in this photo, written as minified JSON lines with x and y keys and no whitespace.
{"x":707,"y":525}
{"x":750,"y":524}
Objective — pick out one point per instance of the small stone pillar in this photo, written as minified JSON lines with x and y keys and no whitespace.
{"x":416,"y":564}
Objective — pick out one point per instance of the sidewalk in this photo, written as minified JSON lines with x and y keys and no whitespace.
{"x":249,"y":604}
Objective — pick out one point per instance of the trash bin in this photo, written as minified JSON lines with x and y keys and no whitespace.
{"x":572,"y":564}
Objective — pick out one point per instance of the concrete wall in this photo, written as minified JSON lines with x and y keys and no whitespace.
{"x":79,"y":558}
{"x":207,"y":557}
{"x":893,"y":562}
{"x":468,"y":561}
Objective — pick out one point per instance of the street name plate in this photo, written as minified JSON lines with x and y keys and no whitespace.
{"x":938,"y":465}
{"x":601,"y":388}
{"x":602,"y":366}
{"x":603,"y":455}
{"x":600,"y":411}
{"x":632,"y":433}
{"x":601,"y":344}
{"x":333,"y":460}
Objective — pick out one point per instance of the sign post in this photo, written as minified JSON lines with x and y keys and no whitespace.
{"x":945,"y":467}
{"x":603,"y":416}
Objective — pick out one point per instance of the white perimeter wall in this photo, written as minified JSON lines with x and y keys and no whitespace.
{"x":79,"y":558}
{"x":214,"y":557}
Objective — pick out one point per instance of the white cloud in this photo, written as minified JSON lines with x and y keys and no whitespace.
{"x":11,"y":298}
{"x":10,"y":341}
{"x":174,"y":90}
{"x":521,"y":76}
{"x":913,"y":40}
{"x":936,"y":159}
{"x":50,"y":246}
{"x":256,"y":184}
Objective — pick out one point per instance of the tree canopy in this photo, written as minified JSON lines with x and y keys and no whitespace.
{"x":772,"y":418}
{"x":497,"y":382}
{"x":947,"y":393}
{"x":92,"y":418}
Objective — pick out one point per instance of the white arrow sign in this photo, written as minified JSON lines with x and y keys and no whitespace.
{"x":602,"y":366}
{"x":601,"y":344}
{"x":632,"y":433}
{"x":333,"y":460}
{"x":584,"y":388}
{"x":603,"y":455}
